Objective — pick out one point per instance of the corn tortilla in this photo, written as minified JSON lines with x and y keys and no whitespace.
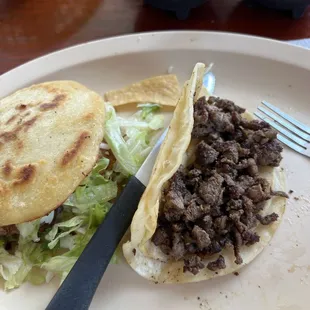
{"x":163,"y":90}
{"x":146,"y":258}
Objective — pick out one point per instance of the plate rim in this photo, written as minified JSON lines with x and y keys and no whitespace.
{"x":150,"y":41}
{"x":20,"y":75}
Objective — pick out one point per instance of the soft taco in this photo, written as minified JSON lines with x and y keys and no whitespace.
{"x":215,"y":198}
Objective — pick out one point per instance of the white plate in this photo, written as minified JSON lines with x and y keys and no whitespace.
{"x":248,"y":70}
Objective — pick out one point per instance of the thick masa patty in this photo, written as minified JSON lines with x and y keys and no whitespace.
{"x":49,"y":141}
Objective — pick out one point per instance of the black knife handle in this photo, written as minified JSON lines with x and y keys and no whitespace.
{"x":79,"y":287}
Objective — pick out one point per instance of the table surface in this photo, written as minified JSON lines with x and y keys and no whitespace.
{"x":30,"y":28}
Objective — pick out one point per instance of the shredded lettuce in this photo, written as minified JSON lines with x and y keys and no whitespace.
{"x":128,"y":138}
{"x":34,"y":253}
{"x":37,"y":276}
{"x":29,"y":231}
{"x":97,"y":214}
{"x":60,"y":265}
{"x":67,"y":242}
{"x":53,"y":236}
{"x":148,"y":109}
{"x":16,"y":279}
{"x":39,"y":254}
{"x":12,"y":269}
{"x":9,"y":264}
{"x":115,"y":139}
{"x":95,"y":178}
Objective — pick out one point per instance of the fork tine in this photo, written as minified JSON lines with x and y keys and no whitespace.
{"x":281,"y":129}
{"x":291,"y":144}
{"x":285,"y":124}
{"x":287,"y":117}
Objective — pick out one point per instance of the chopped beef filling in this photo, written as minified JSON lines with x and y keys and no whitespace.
{"x":9,"y":230}
{"x":217,"y":264}
{"x":193,"y":264}
{"x":217,"y":201}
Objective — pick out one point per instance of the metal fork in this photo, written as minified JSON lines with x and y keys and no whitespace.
{"x":291,"y":132}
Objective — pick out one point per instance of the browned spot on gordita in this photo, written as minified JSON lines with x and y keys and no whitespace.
{"x":50,"y":89}
{"x":21,"y":107}
{"x":47,"y":106}
{"x":25,"y":175}
{"x":24,"y":115}
{"x":88,"y":116}
{"x":7,"y":168}
{"x":29,"y":123}
{"x":53,"y":104}
{"x":72,"y":152}
{"x":11,"y":119}
{"x":19,"y":144}
{"x":12,"y":135}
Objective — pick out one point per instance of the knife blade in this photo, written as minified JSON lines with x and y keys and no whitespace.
{"x":145,"y":171}
{"x":79,"y":287}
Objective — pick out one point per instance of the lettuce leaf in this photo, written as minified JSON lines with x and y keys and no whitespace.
{"x":29,"y":231}
{"x":97,"y":214}
{"x":37,"y":276}
{"x":12,"y":269}
{"x":116,"y":141}
{"x":148,"y":109}
{"x":67,"y":242}
{"x":60,"y":230}
{"x":97,"y":188}
{"x":60,"y":265}
{"x":9,"y":264}
{"x":16,"y":279}
{"x":95,"y":177}
{"x":129,"y":137}
{"x":34,"y":253}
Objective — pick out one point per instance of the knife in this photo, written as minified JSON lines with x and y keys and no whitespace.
{"x":79,"y":287}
